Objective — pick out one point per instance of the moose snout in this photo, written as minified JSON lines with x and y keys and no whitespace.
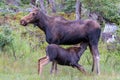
{"x":23,"y":22}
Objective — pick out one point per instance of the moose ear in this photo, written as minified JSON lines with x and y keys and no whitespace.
{"x":33,"y":6}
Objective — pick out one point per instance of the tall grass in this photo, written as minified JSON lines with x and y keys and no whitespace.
{"x":28,"y":49}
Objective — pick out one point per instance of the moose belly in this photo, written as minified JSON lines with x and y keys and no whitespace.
{"x":66,"y":39}
{"x":64,"y":62}
{"x":72,"y":40}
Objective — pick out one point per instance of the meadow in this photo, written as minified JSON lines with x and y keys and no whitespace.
{"x":19,"y":60}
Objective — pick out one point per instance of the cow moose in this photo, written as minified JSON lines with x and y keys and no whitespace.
{"x":59,"y":55}
{"x":67,"y":32}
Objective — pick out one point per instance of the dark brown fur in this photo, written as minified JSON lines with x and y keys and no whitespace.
{"x":59,"y":55}
{"x":61,"y":31}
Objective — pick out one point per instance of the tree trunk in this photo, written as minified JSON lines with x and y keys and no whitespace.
{"x":78,"y":9}
{"x":42,"y":6}
{"x":52,"y":5}
{"x":62,"y":4}
{"x":33,"y":2}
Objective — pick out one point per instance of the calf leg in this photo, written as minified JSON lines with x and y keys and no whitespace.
{"x":80,"y":68}
{"x":54,"y":67}
{"x":41,"y":62}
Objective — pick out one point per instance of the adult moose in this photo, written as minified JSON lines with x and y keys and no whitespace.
{"x":61,"y":31}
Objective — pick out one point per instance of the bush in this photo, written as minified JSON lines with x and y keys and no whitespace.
{"x":70,"y":6}
{"x":25,"y":1}
{"x":108,"y":9}
{"x":5,"y":36}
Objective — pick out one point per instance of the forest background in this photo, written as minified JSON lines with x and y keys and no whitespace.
{"x":21,"y":47}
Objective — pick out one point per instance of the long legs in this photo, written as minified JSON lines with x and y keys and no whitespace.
{"x":96,"y":58}
{"x":95,"y":54}
{"x":41,"y":62}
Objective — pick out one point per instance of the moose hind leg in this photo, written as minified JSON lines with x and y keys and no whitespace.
{"x":96,"y":58}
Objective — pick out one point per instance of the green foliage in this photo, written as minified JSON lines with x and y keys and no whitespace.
{"x":28,"y":49}
{"x":12,"y":7}
{"x":109,"y":9}
{"x":5,"y":36}
{"x":2,"y":2}
{"x":69,"y":6}
{"x":118,"y":40}
{"x":25,"y":1}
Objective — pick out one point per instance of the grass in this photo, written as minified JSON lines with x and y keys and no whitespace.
{"x":28,"y":50}
{"x":25,"y":68}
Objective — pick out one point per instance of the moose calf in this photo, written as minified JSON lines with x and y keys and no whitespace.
{"x":59,"y":55}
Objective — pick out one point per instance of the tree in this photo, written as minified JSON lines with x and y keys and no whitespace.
{"x":78,"y":9}
{"x":33,"y":2}
{"x":108,"y":9}
{"x":69,"y":6}
{"x":42,"y":6}
{"x":52,"y":5}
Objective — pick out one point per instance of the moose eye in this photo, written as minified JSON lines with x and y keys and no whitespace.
{"x":33,"y":14}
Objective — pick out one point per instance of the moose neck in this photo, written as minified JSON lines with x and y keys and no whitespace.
{"x":43,"y":21}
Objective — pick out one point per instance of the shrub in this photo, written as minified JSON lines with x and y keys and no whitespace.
{"x":25,"y":1}
{"x":70,"y":6}
{"x":5,"y":36}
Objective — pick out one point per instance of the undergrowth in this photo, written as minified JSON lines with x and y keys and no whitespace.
{"x":28,"y":45}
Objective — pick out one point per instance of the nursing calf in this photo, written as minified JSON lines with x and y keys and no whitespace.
{"x":59,"y":55}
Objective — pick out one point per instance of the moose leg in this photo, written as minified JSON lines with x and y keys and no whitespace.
{"x":54,"y":67}
{"x":80,"y":68}
{"x":41,"y":62}
{"x":96,"y":58}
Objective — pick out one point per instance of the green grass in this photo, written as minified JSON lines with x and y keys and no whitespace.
{"x":25,"y":68}
{"x":28,"y":50}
